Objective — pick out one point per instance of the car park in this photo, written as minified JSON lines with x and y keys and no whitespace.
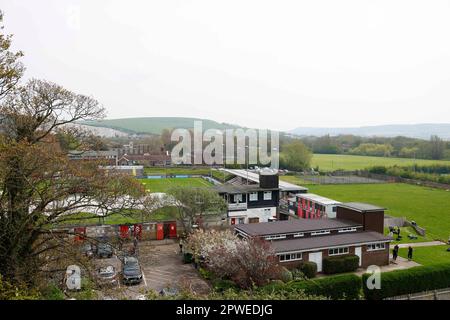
{"x":104,"y":250}
{"x":107,"y":275}
{"x":87,"y":249}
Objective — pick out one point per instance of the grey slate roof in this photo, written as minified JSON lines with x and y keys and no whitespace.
{"x":361,"y":207}
{"x":234,"y":189}
{"x":293,"y":226}
{"x":329,"y":241}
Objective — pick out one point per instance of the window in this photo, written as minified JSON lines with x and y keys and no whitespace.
{"x":318,"y":233}
{"x":334,"y":209}
{"x":268,"y":195}
{"x":298,"y":235}
{"x":275,"y":237}
{"x":238,"y":198}
{"x":376,"y":246}
{"x":347,"y":230}
{"x":241,"y":220}
{"x":290,"y":256}
{"x":338,"y":251}
{"x":254,"y":196}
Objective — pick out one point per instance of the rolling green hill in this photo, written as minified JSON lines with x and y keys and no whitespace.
{"x":155,"y":125}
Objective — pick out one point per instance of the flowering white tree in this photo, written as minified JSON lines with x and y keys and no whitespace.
{"x":248,"y":262}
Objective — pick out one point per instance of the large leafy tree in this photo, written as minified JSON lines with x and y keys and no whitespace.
{"x":39,"y":186}
{"x":295,"y":156}
{"x":194,"y":203}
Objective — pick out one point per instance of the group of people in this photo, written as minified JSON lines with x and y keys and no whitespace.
{"x":395,"y":253}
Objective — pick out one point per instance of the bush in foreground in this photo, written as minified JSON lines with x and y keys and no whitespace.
{"x":346,"y":286}
{"x":408,"y":281}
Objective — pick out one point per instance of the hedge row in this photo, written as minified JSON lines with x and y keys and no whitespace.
{"x":340,"y":264}
{"x":350,"y":286}
{"x":346,"y":286}
{"x":414,"y":280}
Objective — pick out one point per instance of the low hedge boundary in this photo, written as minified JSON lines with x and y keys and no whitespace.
{"x":413,"y":280}
{"x":347,"y":286}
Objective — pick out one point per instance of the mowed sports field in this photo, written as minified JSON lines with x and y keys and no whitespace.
{"x":162,"y":185}
{"x":332,"y":162}
{"x":429,"y":207}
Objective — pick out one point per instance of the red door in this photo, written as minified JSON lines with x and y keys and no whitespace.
{"x":124,"y":232}
{"x":172,"y":230}
{"x":160,"y":231}
{"x":233,"y":221}
{"x":138,"y":231}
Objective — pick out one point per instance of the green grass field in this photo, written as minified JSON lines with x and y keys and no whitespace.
{"x":404,"y":232}
{"x":430,"y":208}
{"x":162,"y":185}
{"x":428,"y":255}
{"x":295,"y":180}
{"x":176,"y":171}
{"x":332,"y":162}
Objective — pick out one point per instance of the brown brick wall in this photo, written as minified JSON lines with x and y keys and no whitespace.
{"x":378,"y":258}
{"x":374,"y":221}
{"x":351,"y":215}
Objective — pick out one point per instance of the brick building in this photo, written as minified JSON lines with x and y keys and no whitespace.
{"x":357,"y":229}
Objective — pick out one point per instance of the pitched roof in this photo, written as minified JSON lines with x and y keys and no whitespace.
{"x":330,"y":241}
{"x":293,"y":226}
{"x":361,"y":207}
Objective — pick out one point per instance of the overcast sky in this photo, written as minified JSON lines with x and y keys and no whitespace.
{"x":272,"y":64}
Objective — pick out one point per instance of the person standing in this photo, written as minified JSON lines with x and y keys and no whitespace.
{"x":395,"y":253}
{"x":410,"y":253}
{"x":181,"y":245}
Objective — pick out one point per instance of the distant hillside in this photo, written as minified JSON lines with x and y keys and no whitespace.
{"x":155,"y":125}
{"x":420,"y":131}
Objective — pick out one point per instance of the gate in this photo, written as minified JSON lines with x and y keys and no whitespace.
{"x":160,"y":231}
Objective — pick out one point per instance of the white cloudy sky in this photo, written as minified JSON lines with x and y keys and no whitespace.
{"x":274,"y":64}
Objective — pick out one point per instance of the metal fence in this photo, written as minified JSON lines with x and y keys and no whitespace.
{"x":442,"y":294}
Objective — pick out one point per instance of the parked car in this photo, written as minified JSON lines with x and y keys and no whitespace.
{"x":104,"y":250}
{"x":169,"y":292}
{"x":87,"y":249}
{"x":107,"y":275}
{"x":131,"y":271}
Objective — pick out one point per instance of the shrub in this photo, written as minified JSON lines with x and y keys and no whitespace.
{"x":309,"y":269}
{"x":286,"y":275}
{"x":221,"y":285}
{"x":347,"y":286}
{"x":340,"y":264}
{"x":187,"y":257}
{"x":408,"y":281}
{"x":205,"y":274}
{"x":53,"y":292}
{"x":298,"y":275}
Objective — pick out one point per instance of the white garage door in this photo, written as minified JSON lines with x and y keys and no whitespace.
{"x":317,"y":258}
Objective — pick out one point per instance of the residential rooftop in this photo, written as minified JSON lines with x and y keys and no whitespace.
{"x":361,"y":207}
{"x":293,"y":226}
{"x":330,"y":241}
